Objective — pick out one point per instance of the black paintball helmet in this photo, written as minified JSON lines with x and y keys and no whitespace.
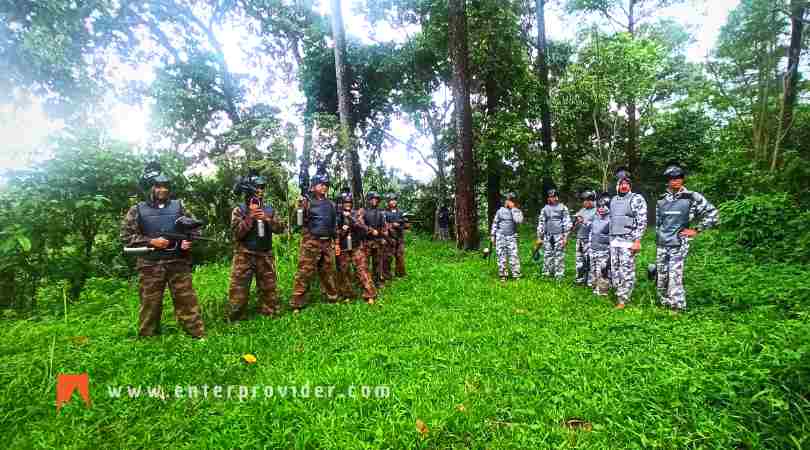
{"x":510,"y":196}
{"x":320,"y":178}
{"x":372,"y":195}
{"x":551,"y":192}
{"x":153,"y":175}
{"x":588,"y":195}
{"x":346,"y":197}
{"x":248,"y":185}
{"x":674,"y":171}
{"x":391,"y":196}
{"x":604,"y":200}
{"x":623,"y":174}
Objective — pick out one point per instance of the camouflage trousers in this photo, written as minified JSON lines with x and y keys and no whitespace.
{"x":374,"y":249}
{"x":623,"y":272}
{"x":600,"y":273}
{"x":554,"y":256}
{"x":345,"y":285}
{"x":669,"y":263}
{"x":583,"y":256}
{"x":394,"y":250}
{"x":153,"y":281}
{"x":315,"y":255}
{"x":507,"y":247}
{"x":244,"y":267}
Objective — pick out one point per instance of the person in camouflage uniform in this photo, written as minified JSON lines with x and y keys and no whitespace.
{"x":395,"y":243}
{"x":553,"y":226}
{"x":600,"y":247}
{"x":374,"y":219}
{"x":628,"y":220}
{"x":317,"y":251}
{"x":676,"y":209}
{"x":168,"y":264}
{"x":351,"y":229}
{"x":253,"y":224}
{"x":443,"y":220}
{"x":584,"y":217}
{"x":504,"y":235}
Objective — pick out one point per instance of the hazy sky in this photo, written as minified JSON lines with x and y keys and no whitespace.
{"x":24,"y":130}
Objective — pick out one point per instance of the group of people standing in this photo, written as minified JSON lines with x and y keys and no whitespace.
{"x":608,"y":237}
{"x":342,"y":243}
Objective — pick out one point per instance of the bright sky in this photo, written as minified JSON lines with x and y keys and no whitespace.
{"x":25,"y":130}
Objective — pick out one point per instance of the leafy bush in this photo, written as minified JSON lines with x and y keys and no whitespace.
{"x":769,"y":226}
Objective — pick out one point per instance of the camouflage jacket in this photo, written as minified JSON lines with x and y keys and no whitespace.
{"x":132,"y":236}
{"x":241,"y":224}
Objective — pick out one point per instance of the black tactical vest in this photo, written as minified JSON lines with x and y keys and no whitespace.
{"x":374,"y":218}
{"x":395,"y":216}
{"x":600,"y":233}
{"x":356,"y":236}
{"x":252,"y":241}
{"x":673,"y":216}
{"x":322,"y":218}
{"x":154,"y":221}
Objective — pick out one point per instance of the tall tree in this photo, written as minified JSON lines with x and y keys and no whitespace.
{"x":791,"y":79}
{"x":346,"y":135}
{"x":467,"y":236}
{"x":627,"y":15}
{"x":542,"y":74}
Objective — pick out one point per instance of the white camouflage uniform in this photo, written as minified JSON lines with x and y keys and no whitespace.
{"x":504,"y":230}
{"x":670,"y":258}
{"x":622,"y":260}
{"x":553,"y":226}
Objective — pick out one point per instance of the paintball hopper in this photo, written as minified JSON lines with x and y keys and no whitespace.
{"x":652,"y":272}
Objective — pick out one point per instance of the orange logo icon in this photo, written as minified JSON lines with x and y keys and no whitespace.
{"x":67,"y":383}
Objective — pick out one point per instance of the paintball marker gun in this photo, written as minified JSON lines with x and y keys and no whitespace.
{"x":537,"y":254}
{"x":186,"y":227}
{"x":488,"y":251}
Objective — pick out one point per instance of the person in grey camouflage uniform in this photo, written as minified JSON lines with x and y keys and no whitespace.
{"x":504,"y":234}
{"x":584,"y":217}
{"x":553,"y":226}
{"x":600,"y":247}
{"x":676,"y":209}
{"x":628,"y":220}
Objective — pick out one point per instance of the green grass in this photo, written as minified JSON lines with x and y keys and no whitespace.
{"x":483,"y":365}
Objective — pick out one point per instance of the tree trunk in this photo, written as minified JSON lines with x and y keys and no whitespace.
{"x":542,"y":72}
{"x":467,"y":236}
{"x":631,"y":151}
{"x":797,"y":10}
{"x":346,"y":135}
{"x":494,"y":165}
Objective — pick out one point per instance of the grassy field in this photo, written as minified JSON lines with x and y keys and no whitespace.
{"x":466,"y":361}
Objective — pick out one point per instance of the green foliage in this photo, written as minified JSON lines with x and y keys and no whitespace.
{"x":481,"y":364}
{"x":769,"y":226}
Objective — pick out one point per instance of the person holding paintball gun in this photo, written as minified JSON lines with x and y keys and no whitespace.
{"x":582,"y":223}
{"x":317,"y":251}
{"x":395,"y":245}
{"x":553,"y":227}
{"x":351,"y":230}
{"x":156,"y":226}
{"x":253,"y":224}
{"x":504,"y":235}
{"x":600,"y":247}
{"x":374,"y":219}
